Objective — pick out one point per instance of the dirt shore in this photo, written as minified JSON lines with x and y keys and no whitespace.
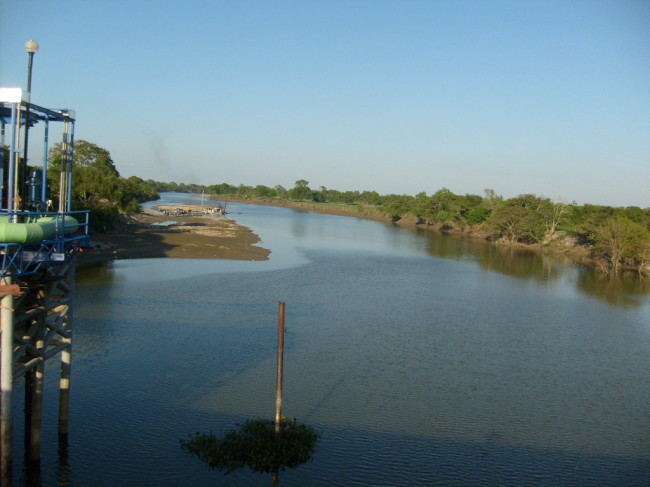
{"x":153,"y":234}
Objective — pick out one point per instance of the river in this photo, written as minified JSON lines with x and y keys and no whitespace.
{"x":423,"y":360}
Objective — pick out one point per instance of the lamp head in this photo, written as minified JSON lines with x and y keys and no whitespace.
{"x":31,"y":46}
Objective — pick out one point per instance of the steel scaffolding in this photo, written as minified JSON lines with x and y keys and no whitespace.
{"x":37,"y":271}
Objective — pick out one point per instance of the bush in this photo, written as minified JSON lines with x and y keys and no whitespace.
{"x":256,"y":445}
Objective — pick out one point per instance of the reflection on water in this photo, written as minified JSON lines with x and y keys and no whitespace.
{"x":422,"y":359}
{"x":627,"y":289}
{"x":166,"y":223}
{"x":514,"y":262}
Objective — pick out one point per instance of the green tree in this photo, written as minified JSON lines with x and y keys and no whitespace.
{"x":261,"y":191}
{"x":334,"y":196}
{"x":492,"y":200}
{"x":301,"y":191}
{"x":515,"y":223}
{"x":637,"y":215}
{"x":621,"y":241}
{"x":396,"y":206}
{"x":586,"y":219}
{"x":223,"y":188}
{"x":95,"y":178}
{"x":133,"y":191}
{"x":443,"y":207}
{"x":370,"y":198}
{"x":446,"y":207}
{"x":318,"y":197}
{"x":97,"y":185}
{"x":554,"y":214}
{"x":476,"y":215}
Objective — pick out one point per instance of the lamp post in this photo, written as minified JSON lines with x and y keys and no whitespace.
{"x":32,"y":385}
{"x":31,"y":46}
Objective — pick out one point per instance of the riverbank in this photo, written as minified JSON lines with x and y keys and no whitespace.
{"x":149,"y":234}
{"x":561,"y":246}
{"x":152,"y":234}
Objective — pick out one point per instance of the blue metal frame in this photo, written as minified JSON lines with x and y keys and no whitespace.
{"x":22,"y":259}
{"x":19,"y":112}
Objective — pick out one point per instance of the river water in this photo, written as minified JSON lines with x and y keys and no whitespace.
{"x":423,"y":360}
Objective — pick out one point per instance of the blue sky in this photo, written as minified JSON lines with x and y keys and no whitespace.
{"x":550,"y":97}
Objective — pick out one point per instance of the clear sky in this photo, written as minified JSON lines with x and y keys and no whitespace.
{"x":550,"y":97}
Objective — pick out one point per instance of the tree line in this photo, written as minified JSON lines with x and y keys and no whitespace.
{"x":620,"y":237}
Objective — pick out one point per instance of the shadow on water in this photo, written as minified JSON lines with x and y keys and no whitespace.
{"x":358,"y":457}
{"x":450,"y":462}
{"x":101,"y":275}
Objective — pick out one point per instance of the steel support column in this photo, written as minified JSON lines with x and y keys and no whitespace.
{"x":7,"y":381}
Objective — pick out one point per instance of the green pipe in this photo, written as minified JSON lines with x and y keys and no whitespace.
{"x":44,"y":228}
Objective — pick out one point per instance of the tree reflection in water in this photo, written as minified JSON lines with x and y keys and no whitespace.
{"x":255,"y":444}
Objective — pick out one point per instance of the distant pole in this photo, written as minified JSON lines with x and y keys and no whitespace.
{"x":278,"y":383}
{"x":31,"y":47}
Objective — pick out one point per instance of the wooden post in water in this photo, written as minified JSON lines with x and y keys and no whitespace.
{"x":278,"y":382}
{"x":33,"y":443}
{"x":64,"y":392}
{"x":66,"y":358}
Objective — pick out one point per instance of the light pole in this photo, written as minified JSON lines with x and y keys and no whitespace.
{"x":31,"y":46}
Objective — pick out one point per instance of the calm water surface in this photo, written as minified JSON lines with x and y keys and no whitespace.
{"x":423,"y":360}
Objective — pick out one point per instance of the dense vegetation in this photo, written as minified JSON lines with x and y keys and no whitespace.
{"x":97,"y":185}
{"x":617,"y":237}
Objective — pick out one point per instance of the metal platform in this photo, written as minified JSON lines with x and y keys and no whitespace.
{"x":20,"y":197}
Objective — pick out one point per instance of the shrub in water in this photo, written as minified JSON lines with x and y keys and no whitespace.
{"x":255,"y":444}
